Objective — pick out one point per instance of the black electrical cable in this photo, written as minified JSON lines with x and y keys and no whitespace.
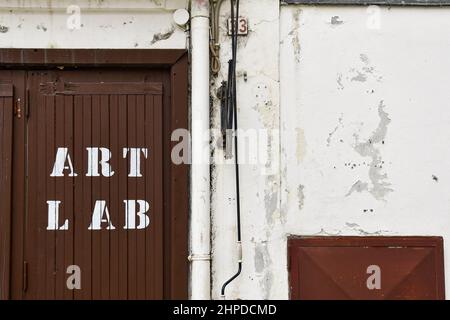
{"x":233,"y":100}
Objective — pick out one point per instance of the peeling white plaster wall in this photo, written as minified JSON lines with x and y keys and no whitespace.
{"x":370,"y":107}
{"x":258,"y":103}
{"x":104,"y":24}
{"x":364,"y":141}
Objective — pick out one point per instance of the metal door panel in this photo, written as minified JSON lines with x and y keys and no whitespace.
{"x":340,"y":268}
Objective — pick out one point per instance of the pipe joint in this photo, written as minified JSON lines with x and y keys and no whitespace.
{"x":199,"y":257}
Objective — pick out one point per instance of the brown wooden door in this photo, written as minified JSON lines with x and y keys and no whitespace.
{"x":94,"y":155}
{"x":92,"y":206}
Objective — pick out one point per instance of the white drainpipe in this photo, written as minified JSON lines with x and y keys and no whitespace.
{"x":200,"y":278}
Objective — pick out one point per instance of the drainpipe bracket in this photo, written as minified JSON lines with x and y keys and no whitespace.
{"x":199,"y":257}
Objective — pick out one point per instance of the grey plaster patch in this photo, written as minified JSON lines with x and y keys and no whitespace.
{"x":361,"y":77}
{"x":263,"y":266}
{"x":41,"y":27}
{"x":261,"y":255}
{"x":380,"y":186}
{"x":364,"y":58}
{"x":163,"y":35}
{"x":335,"y":20}
{"x":301,"y":196}
{"x":363,"y":73}
{"x":339,"y":81}
{"x":270,"y":202}
{"x":359,"y":187}
{"x":295,"y":35}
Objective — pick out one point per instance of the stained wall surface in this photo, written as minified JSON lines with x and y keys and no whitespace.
{"x":360,"y":98}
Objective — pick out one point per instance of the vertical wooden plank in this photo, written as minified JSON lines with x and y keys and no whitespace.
{"x":38,"y":102}
{"x":18,"y":194}
{"x":179,"y":184}
{"x":132,"y":235}
{"x":167,"y":191}
{"x":149,"y":178}
{"x":51,"y":196}
{"x":115,"y":201}
{"x":140,"y":195}
{"x":78,"y":225}
{"x":6,"y":135}
{"x":122,"y":128}
{"x":104,"y":196}
{"x":60,"y":192}
{"x":154,"y":192}
{"x":32,"y":227}
{"x":96,"y":195}
{"x":5,"y":214}
{"x":88,"y":205}
{"x":158,"y":188}
{"x":30,"y":220}
{"x":68,"y":195}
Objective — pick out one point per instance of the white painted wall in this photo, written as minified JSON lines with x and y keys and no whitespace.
{"x":362,"y":108}
{"x":258,"y":103}
{"x":104,"y":24}
{"x":365,"y":114}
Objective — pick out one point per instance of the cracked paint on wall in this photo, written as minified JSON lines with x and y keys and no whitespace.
{"x":263,"y":264}
{"x":362,"y":73}
{"x":301,"y":196}
{"x":336,"y":20}
{"x":359,"y":187}
{"x":142,"y":23}
{"x":371,"y":148}
{"x":339,"y":125}
{"x":164,"y":35}
{"x":270,"y":200}
{"x":339,"y":81}
{"x":295,"y":34}
{"x":41,"y":27}
{"x":357,"y":228}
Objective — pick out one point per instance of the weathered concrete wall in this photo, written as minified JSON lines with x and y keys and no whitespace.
{"x":102,"y":24}
{"x":258,"y":103}
{"x":362,"y":108}
{"x":364,"y":116}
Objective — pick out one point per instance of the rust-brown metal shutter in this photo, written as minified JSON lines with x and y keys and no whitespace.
{"x":340,"y":268}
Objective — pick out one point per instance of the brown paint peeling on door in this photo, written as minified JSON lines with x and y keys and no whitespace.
{"x":366,"y":268}
{"x":100,"y":192}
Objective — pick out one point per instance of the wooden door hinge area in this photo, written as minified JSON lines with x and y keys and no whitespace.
{"x":25,"y":276}
{"x":18,"y":108}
